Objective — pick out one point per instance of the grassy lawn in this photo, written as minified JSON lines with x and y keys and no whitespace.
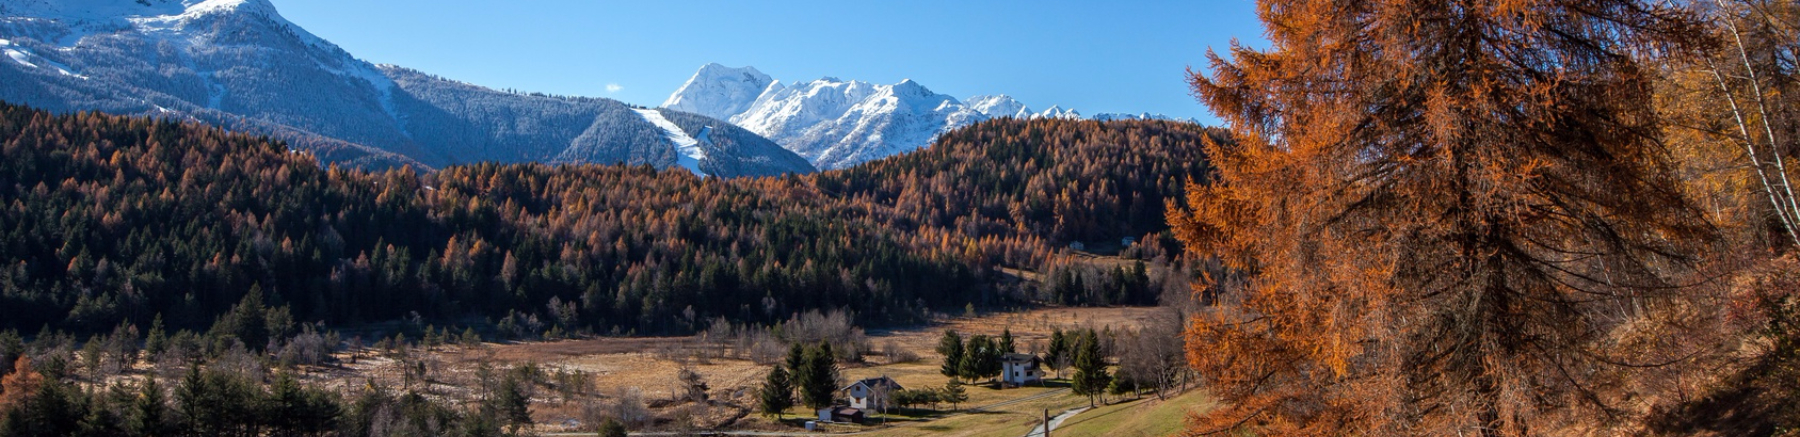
{"x":1147,"y":417}
{"x":1012,"y":420}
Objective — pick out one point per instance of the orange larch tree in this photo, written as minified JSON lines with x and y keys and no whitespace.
{"x":1440,"y":213}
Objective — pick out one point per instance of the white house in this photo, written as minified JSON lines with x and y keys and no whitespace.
{"x":871,"y":394}
{"x":1020,"y":369}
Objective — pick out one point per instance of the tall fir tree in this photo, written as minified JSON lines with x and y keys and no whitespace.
{"x":147,"y":416}
{"x":1057,"y":354}
{"x":819,"y":388}
{"x":777,"y":393}
{"x":1091,"y":377}
{"x":951,"y":347}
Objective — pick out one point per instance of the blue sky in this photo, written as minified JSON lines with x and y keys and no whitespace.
{"x":1095,"y":56}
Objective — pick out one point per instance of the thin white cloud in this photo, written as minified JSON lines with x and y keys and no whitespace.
{"x":613,"y":88}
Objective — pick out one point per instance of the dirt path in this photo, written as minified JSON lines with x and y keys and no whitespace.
{"x":1056,"y":422}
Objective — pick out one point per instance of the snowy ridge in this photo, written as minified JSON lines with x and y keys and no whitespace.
{"x":688,"y":150}
{"x":1058,"y":112}
{"x":1114,"y":116}
{"x":836,"y":123}
{"x":720,"y":92}
{"x":240,"y":65}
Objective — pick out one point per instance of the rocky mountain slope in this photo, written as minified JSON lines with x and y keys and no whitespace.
{"x":837,"y":123}
{"x":239,"y":64}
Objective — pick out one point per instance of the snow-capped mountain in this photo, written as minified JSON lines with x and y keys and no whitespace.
{"x":239,"y":64}
{"x":836,"y":123}
{"x":1115,"y":116}
{"x":999,"y":106}
{"x":1059,"y":112}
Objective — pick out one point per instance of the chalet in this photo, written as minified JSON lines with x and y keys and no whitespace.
{"x":871,"y":394}
{"x":1020,"y":369}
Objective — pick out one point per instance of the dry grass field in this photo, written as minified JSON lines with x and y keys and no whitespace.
{"x":647,"y":369}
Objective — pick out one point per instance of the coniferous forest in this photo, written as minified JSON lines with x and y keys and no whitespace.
{"x":189,"y":247}
{"x":115,"y":221}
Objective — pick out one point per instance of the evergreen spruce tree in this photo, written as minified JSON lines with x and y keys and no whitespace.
{"x":1006,"y":342}
{"x":954,"y":393}
{"x":1091,"y":378}
{"x":1058,"y":354}
{"x":951,"y":347}
{"x":146,"y":417}
{"x":820,"y":384}
{"x":777,"y":394}
{"x":246,"y":322}
{"x":510,"y":401}
{"x":193,"y":404}
{"x":156,"y":341}
{"x":796,"y":360}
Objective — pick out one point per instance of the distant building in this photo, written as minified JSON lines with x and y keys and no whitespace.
{"x":1078,"y":246}
{"x":1020,"y":369}
{"x":1128,"y":241}
{"x":841,"y":414}
{"x":872,"y":393}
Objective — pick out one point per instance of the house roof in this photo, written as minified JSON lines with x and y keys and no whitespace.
{"x":1019,"y":358}
{"x":876,"y":382}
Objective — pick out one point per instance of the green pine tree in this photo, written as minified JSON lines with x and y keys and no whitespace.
{"x":1091,"y":378}
{"x":819,"y":387}
{"x":146,"y":417}
{"x":156,"y":341}
{"x":1058,"y":354}
{"x":951,"y":347}
{"x":954,"y":393}
{"x":777,"y":394}
{"x":512,"y":404}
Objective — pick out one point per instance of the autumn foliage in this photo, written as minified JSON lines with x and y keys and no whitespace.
{"x":110,"y":220}
{"x":1442,"y":212}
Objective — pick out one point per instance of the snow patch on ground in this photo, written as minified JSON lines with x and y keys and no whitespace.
{"x":64,"y":69}
{"x":382,"y":83}
{"x":688,"y":151}
{"x":20,"y":57}
{"x":24,"y":57}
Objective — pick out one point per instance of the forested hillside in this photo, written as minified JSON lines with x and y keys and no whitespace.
{"x":115,"y":220}
{"x":1064,"y":181}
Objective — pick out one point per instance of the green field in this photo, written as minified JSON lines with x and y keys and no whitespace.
{"x":1147,"y":417}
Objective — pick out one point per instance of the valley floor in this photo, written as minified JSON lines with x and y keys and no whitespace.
{"x":646,"y":369}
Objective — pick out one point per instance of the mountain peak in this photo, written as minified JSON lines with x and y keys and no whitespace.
{"x":196,"y":7}
{"x":999,"y":105}
{"x":718,"y":70}
{"x":115,"y":10}
{"x":836,"y":123}
{"x":719,"y":91}
{"x":909,"y":87}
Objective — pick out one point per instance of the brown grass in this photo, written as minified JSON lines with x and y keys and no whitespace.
{"x":649,"y":365}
